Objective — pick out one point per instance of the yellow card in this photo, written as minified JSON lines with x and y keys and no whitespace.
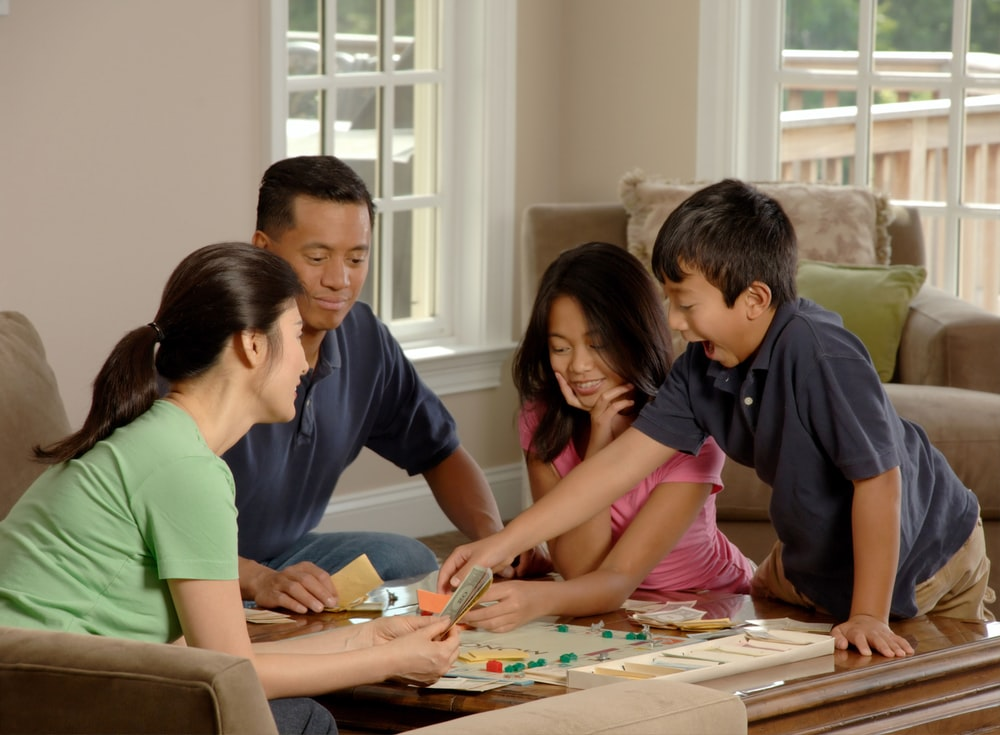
{"x":354,"y":582}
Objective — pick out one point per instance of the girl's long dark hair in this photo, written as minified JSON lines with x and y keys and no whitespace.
{"x":215,"y":293}
{"x":625,"y":311}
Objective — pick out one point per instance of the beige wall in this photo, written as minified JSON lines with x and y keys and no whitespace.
{"x":130,"y":134}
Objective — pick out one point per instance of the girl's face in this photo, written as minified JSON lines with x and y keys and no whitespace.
{"x":576,"y":353}
{"x":285,"y":370}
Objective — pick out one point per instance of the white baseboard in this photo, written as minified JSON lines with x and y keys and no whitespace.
{"x":410,"y":509}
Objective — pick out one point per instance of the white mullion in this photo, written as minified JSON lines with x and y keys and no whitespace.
{"x":275,"y":94}
{"x":330,"y":77}
{"x":864,"y":93}
{"x":956,"y":138}
{"x":385,"y":125}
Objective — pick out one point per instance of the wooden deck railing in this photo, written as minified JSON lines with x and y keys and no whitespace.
{"x":909,"y":161}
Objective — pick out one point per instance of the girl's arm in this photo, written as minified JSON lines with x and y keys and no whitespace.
{"x":663,"y":520}
{"x":582,"y":548}
{"x":211,"y":615}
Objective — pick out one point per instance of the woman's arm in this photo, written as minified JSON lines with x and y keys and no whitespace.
{"x":661,"y":522}
{"x":211,"y":615}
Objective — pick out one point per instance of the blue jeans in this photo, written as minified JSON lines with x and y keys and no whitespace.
{"x":302,"y":716}
{"x":393,"y":555}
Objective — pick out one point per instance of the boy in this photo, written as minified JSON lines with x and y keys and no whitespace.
{"x":871,"y":520}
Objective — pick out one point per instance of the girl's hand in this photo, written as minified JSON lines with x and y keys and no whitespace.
{"x":606,"y":419}
{"x":487,"y":552}
{"x":514,"y":603}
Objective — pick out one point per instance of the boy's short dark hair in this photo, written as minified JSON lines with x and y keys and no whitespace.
{"x":733,"y":234}
{"x":321,"y":177}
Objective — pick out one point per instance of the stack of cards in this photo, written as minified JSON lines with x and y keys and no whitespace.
{"x":353,"y":583}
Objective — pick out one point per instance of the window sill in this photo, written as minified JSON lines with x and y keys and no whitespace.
{"x":448,"y":370}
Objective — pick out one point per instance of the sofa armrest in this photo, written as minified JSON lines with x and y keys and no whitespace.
{"x":54,"y":682}
{"x":950,"y":342}
{"x":647,"y":706}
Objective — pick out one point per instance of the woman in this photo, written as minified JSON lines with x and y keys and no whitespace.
{"x":132,"y":530}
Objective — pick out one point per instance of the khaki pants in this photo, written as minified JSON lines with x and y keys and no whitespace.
{"x":959,"y":589}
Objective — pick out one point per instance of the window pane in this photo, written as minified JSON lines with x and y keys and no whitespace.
{"x":414,"y":140}
{"x":303,"y":129}
{"x":414,"y":264}
{"x":305,"y":49}
{"x":909,"y":143}
{"x":358,"y":48}
{"x":981,"y":184}
{"x":356,"y":141}
{"x":942,"y":258}
{"x":979,"y":273}
{"x":984,"y":39}
{"x":370,"y":291}
{"x":818,"y":135}
{"x":915,"y":37}
{"x":821,"y":26}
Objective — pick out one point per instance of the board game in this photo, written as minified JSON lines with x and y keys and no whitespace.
{"x":542,"y":652}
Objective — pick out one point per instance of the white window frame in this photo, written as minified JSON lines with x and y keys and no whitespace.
{"x":476,"y":255}
{"x":740,"y":46}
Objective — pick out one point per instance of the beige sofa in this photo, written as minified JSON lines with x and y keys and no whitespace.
{"x":65,"y":683}
{"x":947,"y":374}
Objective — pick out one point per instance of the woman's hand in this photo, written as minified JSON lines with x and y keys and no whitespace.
{"x":422,"y":657}
{"x":514,"y":603}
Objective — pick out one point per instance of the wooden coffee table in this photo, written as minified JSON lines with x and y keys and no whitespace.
{"x":951,"y":684}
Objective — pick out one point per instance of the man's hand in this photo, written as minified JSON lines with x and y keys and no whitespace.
{"x":301,"y":588}
{"x":865,"y":632}
{"x":534,"y":562}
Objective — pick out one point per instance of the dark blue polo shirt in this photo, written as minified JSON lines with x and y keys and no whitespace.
{"x":808,"y":412}
{"x":362,"y":393}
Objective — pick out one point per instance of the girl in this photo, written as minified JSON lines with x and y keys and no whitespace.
{"x":596,"y":349}
{"x":132,"y":530}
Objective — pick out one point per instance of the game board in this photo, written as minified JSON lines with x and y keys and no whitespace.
{"x":549,"y":642}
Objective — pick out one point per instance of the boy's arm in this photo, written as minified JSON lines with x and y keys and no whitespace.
{"x":875,"y":517}
{"x":592,"y":485}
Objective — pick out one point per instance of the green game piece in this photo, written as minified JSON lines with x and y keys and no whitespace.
{"x":607,"y":634}
{"x":630,"y":636}
{"x":640,"y":636}
{"x":562,"y":628}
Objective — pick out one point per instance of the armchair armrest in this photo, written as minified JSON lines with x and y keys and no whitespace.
{"x":66,"y":682}
{"x":947,"y":341}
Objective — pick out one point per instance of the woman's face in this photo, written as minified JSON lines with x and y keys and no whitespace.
{"x":285,"y":368}
{"x":576,"y":353}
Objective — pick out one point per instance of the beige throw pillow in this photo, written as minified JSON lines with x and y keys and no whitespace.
{"x":840,"y":224}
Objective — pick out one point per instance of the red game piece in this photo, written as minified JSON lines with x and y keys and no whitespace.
{"x":494,"y":666}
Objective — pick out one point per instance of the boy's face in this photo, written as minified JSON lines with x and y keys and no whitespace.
{"x":698,"y":311}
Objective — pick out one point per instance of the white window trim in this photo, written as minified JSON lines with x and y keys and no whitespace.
{"x":478,"y":160}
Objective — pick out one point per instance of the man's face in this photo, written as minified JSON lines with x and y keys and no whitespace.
{"x":698,"y":311}
{"x":329,"y":247}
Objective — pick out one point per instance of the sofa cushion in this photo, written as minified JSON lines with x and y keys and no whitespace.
{"x":31,"y":410}
{"x":873,"y":301}
{"x":629,"y":707}
{"x":842,"y":224}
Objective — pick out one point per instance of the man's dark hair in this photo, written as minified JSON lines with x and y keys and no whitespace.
{"x":326,"y":178}
{"x":733,"y":234}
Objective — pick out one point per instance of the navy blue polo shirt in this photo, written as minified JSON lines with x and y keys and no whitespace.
{"x":363,"y":392}
{"x":809,"y":414}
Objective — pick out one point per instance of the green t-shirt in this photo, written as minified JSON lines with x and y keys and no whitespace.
{"x":90,"y":545}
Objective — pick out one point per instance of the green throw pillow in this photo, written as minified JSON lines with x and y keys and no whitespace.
{"x":873,"y":301}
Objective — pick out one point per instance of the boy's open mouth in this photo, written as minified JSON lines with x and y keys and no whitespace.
{"x":709,"y":349}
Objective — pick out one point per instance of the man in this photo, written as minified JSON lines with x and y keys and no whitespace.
{"x":316,"y":213}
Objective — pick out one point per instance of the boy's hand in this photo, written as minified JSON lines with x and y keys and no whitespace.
{"x":514,"y":604}
{"x":865,"y":632}
{"x":487,"y":552}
